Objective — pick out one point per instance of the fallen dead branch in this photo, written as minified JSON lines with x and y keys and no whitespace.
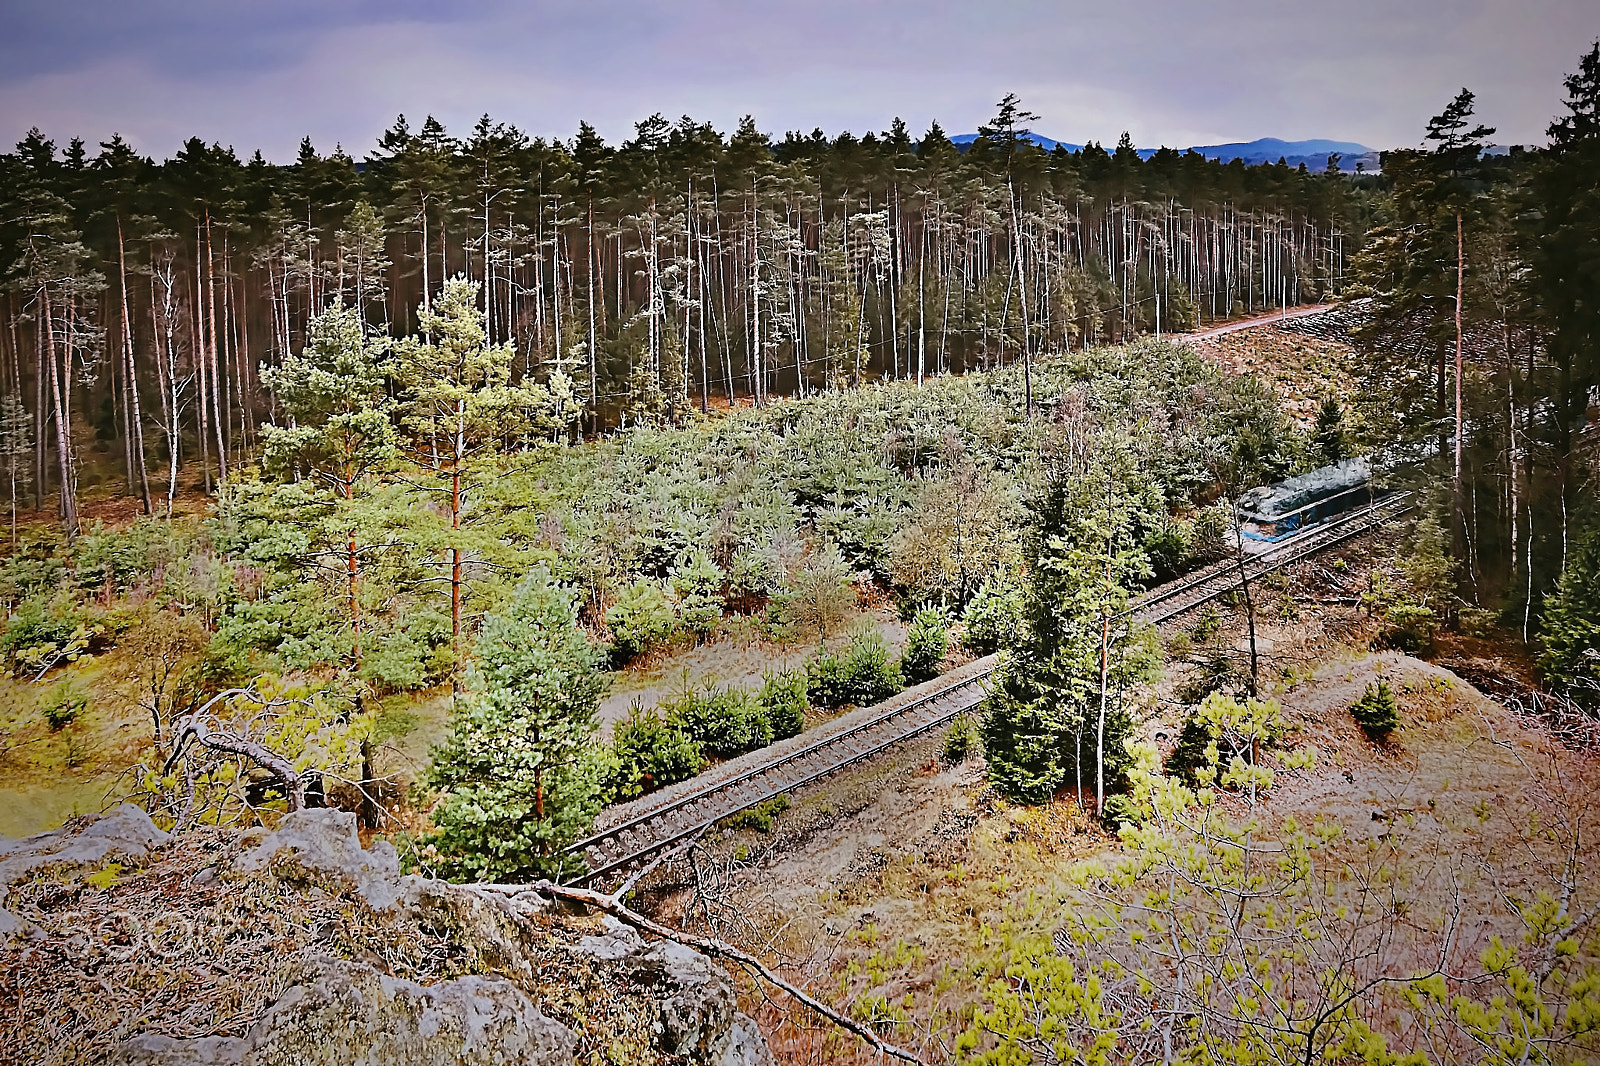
{"x":613,"y":905}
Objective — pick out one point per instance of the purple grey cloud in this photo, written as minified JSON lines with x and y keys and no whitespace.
{"x":257,"y":74}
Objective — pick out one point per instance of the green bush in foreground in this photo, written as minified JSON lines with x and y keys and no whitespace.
{"x":1376,"y":711}
{"x":961,"y":739}
{"x":1571,"y":634}
{"x":862,"y":675}
{"x":648,"y":753}
{"x":759,"y":817}
{"x":783,"y":697}
{"x":68,"y":703}
{"x":641,"y":618}
{"x":926,"y":645}
{"x":993,"y":618}
{"x":518,"y":770}
{"x":724,"y":722}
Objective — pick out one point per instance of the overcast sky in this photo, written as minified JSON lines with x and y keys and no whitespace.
{"x":257,"y":74}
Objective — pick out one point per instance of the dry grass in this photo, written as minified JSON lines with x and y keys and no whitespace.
{"x":1299,"y":368}
{"x":178,"y":949}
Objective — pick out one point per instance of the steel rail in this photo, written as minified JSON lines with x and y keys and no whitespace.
{"x":969,"y":689}
{"x":1158,"y":605}
{"x":797,"y":755}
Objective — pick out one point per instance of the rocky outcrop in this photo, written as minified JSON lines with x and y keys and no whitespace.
{"x":502,"y":979}
{"x":697,"y":1019}
{"x":348,"y":1014}
{"x":125,"y":833}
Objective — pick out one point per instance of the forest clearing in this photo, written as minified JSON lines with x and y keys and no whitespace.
{"x":714,"y":598}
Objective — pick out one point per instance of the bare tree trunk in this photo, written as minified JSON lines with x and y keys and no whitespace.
{"x":40,"y":416}
{"x":130,"y":381}
{"x":215,"y":366}
{"x":456,"y":507}
{"x":69,"y":501}
{"x":594,"y":371}
{"x":922,"y":323}
{"x":1249,"y":604}
{"x":1461,"y":269}
{"x":199,"y":340}
{"x":1100,"y":723}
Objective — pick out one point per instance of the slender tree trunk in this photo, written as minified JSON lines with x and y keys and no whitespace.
{"x":215,"y":365}
{"x":130,"y":381}
{"x":69,"y":501}
{"x":41,"y":417}
{"x":1461,"y":270}
{"x":456,"y":507}
{"x":1249,"y":604}
{"x":1100,"y":724}
{"x":199,"y":344}
{"x":922,"y":323}
{"x":594,"y":355}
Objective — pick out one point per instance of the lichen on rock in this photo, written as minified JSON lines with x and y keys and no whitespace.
{"x":299,"y":946}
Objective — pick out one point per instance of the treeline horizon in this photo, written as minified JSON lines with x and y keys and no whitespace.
{"x":679,"y":267}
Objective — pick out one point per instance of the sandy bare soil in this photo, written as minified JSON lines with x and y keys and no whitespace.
{"x":731,"y":661}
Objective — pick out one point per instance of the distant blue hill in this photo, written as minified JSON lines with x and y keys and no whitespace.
{"x":1313,"y":153}
{"x":1271,"y":149}
{"x":962,"y":140}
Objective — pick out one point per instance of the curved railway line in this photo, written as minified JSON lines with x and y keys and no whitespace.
{"x":645,"y":833}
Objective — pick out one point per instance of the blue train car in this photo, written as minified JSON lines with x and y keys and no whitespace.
{"x":1273,"y":512}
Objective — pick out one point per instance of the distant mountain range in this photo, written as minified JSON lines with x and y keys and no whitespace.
{"x":1313,"y":153}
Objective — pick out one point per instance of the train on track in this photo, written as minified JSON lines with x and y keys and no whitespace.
{"x":1274,"y":512}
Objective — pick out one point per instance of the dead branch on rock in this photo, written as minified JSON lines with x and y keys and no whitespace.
{"x":614,"y":906}
{"x":198,"y":726}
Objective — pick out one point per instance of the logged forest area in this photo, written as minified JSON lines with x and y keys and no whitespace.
{"x":401,"y":550}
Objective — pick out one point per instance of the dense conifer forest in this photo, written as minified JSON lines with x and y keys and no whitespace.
{"x":681,"y":268}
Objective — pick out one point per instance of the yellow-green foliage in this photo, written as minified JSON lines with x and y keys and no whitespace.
{"x":1220,"y":936}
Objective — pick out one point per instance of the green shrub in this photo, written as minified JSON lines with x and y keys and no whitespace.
{"x":783,"y":697}
{"x":864,"y":674}
{"x":1169,"y":545}
{"x":408,"y":657}
{"x":723,"y":722}
{"x":926,"y":645}
{"x":759,"y":817}
{"x":993,"y":617}
{"x":1213,"y":528}
{"x":1190,"y":752}
{"x":817,"y":597}
{"x":649,"y":753}
{"x":1215,"y":671}
{"x":1571,"y":631}
{"x":641,"y":618}
{"x":1376,"y":711}
{"x":64,"y":707}
{"x":44,"y":633}
{"x":698,"y":585}
{"x":961,"y":739}
{"x":518,"y":768}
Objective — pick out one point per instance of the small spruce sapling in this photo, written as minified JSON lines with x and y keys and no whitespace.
{"x":519,"y":768}
{"x":1376,"y":712}
{"x":926,"y":645}
{"x":649,"y":752}
{"x":783,"y":697}
{"x":961,"y":739}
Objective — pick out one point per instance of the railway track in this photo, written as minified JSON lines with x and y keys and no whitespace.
{"x":614,"y":849}
{"x":1185,"y":594}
